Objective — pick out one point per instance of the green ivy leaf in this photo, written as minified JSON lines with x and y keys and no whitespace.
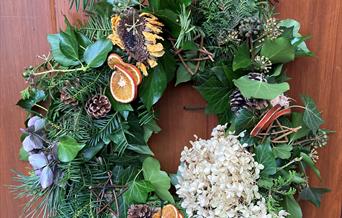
{"x":160,"y":181}
{"x":282,"y":151}
{"x":292,"y":207}
{"x":216,"y":93}
{"x":277,"y":70}
{"x":312,"y":117}
{"x":279,"y":50}
{"x":264,"y":156}
{"x":96,"y":54}
{"x":313,"y":195}
{"x":243,"y":120}
{"x":68,"y":148}
{"x":257,"y":89}
{"x":69,"y":45}
{"x":35,"y":97}
{"x":170,"y":19}
{"x":57,"y":54}
{"x":297,"y":120}
{"x":138,"y":191}
{"x":23,"y":155}
{"x":307,"y":159}
{"x":182,"y":74}
{"x":153,"y":87}
{"x":242,"y":59}
{"x":154,"y":5}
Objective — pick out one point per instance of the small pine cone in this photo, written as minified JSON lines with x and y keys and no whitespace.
{"x":139,"y":211}
{"x":98,"y":106}
{"x":237,"y":101}
{"x":66,"y":98}
{"x":257,"y":76}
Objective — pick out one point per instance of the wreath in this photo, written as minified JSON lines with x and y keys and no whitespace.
{"x":90,"y":114}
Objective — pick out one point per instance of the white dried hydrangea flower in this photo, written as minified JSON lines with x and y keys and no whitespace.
{"x":282,"y":100}
{"x":218,"y":178}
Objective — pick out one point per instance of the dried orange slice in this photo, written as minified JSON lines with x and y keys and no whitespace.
{"x":122,"y":85}
{"x":114,"y":59}
{"x":135,"y":72}
{"x":169,"y":211}
{"x":180,"y":215}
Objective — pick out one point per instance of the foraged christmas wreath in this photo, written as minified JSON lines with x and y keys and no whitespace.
{"x":90,"y":114}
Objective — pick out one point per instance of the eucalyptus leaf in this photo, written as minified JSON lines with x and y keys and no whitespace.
{"x":242,"y":59}
{"x":46,"y":177}
{"x":68,"y":148}
{"x":312,"y":117}
{"x":313,"y":195}
{"x":160,"y":181}
{"x":264,"y":156}
{"x":96,"y":54}
{"x":90,"y":152}
{"x":262,"y":90}
{"x":279,"y":50}
{"x":292,"y":207}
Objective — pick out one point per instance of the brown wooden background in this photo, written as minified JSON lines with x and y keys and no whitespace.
{"x":23,"y":28}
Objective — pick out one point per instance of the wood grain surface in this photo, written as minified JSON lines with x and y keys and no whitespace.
{"x":23,"y":28}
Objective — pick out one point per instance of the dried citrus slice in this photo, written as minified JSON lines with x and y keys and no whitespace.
{"x":114,"y":59}
{"x":135,"y":72}
{"x":122,"y":85}
{"x":180,"y":215}
{"x":169,"y":211}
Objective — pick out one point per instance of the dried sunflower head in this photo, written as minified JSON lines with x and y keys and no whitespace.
{"x":137,"y":34}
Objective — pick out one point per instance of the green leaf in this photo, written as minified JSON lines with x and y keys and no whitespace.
{"x":90,"y":152}
{"x":96,"y":54}
{"x":168,"y":64}
{"x":54,"y":40}
{"x":242,"y":59}
{"x":35,"y":97}
{"x":264,"y":156}
{"x":313,"y":195}
{"x":153,"y":87}
{"x":282,"y":151}
{"x":182,"y":75}
{"x":154,"y":5}
{"x":312,"y":117}
{"x":307,"y":159}
{"x":243,"y":120}
{"x":216,"y":93}
{"x":23,"y":155}
{"x":257,"y":89}
{"x":138,"y":191}
{"x":170,"y":19}
{"x":292,"y":207}
{"x":279,"y":50}
{"x":297,"y":120}
{"x":160,"y":181}
{"x":68,"y":148}
{"x":277,"y":70}
{"x":69,"y":45}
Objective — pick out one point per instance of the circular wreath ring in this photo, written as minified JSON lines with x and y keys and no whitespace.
{"x":90,"y":114}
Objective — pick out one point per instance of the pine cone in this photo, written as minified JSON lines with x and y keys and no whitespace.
{"x":139,"y":211}
{"x":237,"y":101}
{"x":66,"y":98}
{"x":257,"y":76}
{"x":250,"y":26}
{"x":98,"y":106}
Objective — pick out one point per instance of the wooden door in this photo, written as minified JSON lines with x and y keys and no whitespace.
{"x":23,"y":28}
